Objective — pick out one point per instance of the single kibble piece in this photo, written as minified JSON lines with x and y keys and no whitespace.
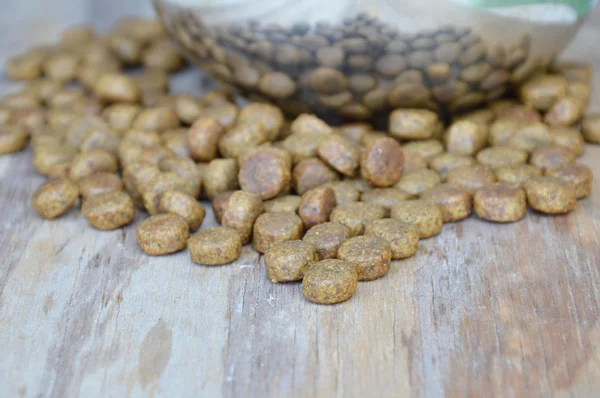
{"x":137,"y":178}
{"x":413,"y":161}
{"x":203,"y":139}
{"x":98,"y":183}
{"x":517,"y":174}
{"x":466,"y":137}
{"x":12,"y":139}
{"x":241,"y":137}
{"x":402,"y":237}
{"x":225,"y":113}
{"x":567,"y":111}
{"x":426,"y":148}
{"x":444,"y":162}
{"x":518,"y":113}
{"x":542,"y":91}
{"x":220,"y":203}
{"x":109,"y":210}
{"x":471,"y":178}
{"x":355,"y":215}
{"x":418,"y":181}
{"x":550,"y":195}
{"x":385,"y":197}
{"x":345,"y":191}
{"x":221,"y":175}
{"x":311,"y":173}
{"x":568,"y":137}
{"x":54,"y":198}
{"x":500,"y":156}
{"x":176,"y":141}
{"x":590,"y":127}
{"x":425,"y":215}
{"x":500,"y":202}
{"x":186,"y":169}
{"x":184,"y":205}
{"x":381,"y":163}
{"x":265,"y":172}
{"x":329,"y":281}
{"x":158,"y":119}
{"x":340,"y":153}
{"x":188,"y":108}
{"x":288,"y":261}
{"x":116,"y":87}
{"x":316,"y":205}
{"x":326,"y":238}
{"x":578,"y":176}
{"x":412,"y":124}
{"x":161,"y":183}
{"x":215,"y":246}
{"x":87,"y":163}
{"x":286,"y":203}
{"x":552,"y":156}
{"x":530,"y":136}
{"x":371,"y":255}
{"x":273,"y":228}
{"x":162,"y":234}
{"x":61,"y":66}
{"x":454,"y":202}
{"x":162,"y":54}
{"x":241,"y":212}
{"x":269,"y":116}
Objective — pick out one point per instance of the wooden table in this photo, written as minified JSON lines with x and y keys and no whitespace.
{"x":481,"y":310}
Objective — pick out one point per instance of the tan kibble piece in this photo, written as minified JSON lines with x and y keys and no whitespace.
{"x":286,"y":203}
{"x":517,"y":174}
{"x":161,"y":183}
{"x":326,"y":238}
{"x":402,"y":237}
{"x":269,"y":116}
{"x":500,"y":203}
{"x":277,"y":85}
{"x":98,"y":183}
{"x":371,"y":255}
{"x":413,"y":161}
{"x":345,"y":191}
{"x":203,"y":139}
{"x":221,"y":175}
{"x":542,"y":91}
{"x":499,"y":156}
{"x":415,"y":124}
{"x":566,"y":111}
{"x":184,"y":205}
{"x":240,"y":213}
{"x":117,"y":87}
{"x":471,"y":177}
{"x":265,"y":172}
{"x":531,"y":136}
{"x":466,"y":137}
{"x":340,"y":153}
{"x":425,"y":148}
{"x":87,"y":163}
{"x":62,"y":66}
{"x":454,"y":202}
{"x":481,"y":116}
{"x":188,"y":108}
{"x":136,"y":177}
{"x":12,"y":139}
{"x":225,"y":113}
{"x":162,"y":234}
{"x":156,"y":119}
{"x":80,"y":125}
{"x":126,"y":48}
{"x":54,"y":198}
{"x":316,"y":205}
{"x":152,"y":81}
{"x":568,"y":137}
{"x":385,"y":197}
{"x":145,"y":139}
{"x":381,"y":163}
{"x":550,"y":195}
{"x":425,"y":215}
{"x":19,"y":100}
{"x":311,"y":173}
{"x":273,"y":228}
{"x":176,"y":141}
{"x":552,"y":156}
{"x":240,"y":138}
{"x":518,"y":113}
{"x":354,"y":132}
{"x":186,"y":169}
{"x":355,"y":215}
{"x":47,"y":157}
{"x":288,"y":261}
{"x":219,"y":204}
{"x":578,"y":176}
{"x":444,"y":162}
{"x":590,"y":127}
{"x":328,"y":81}
{"x":162,"y":55}
{"x":24,"y":67}
{"x":418,"y":181}
{"x":156,"y":155}
{"x":329,"y":281}
{"x":109,"y":210}
{"x":215,"y":246}
{"x":501,"y":131}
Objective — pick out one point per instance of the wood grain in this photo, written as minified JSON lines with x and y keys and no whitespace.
{"x":481,"y":310}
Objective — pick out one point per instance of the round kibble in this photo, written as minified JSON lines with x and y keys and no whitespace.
{"x":109,"y":210}
{"x":115,"y":87}
{"x":413,"y":161}
{"x":157,"y":186}
{"x":590,"y":127}
{"x":219,"y":204}
{"x":531,"y":136}
{"x":578,"y":176}
{"x":425,"y":148}
{"x":471,"y":178}
{"x":12,"y":139}
{"x":286,"y":203}
{"x":500,"y":156}
{"x":402,"y":237}
{"x":326,"y":239}
{"x":162,"y":234}
{"x":381,"y":163}
{"x":517,"y":174}
{"x":136,"y":177}
{"x":371,"y":255}
{"x":62,"y":66}
{"x":345,"y":191}
{"x":444,"y":162}
{"x":355,"y":215}
{"x":98,"y":183}
{"x":413,"y":124}
{"x":265,"y":173}
{"x":215,"y":246}
{"x":326,"y":80}
{"x":162,"y":55}
{"x":241,"y":137}
{"x":277,"y":85}
{"x":500,"y":202}
{"x":466,"y":137}
{"x":241,"y":212}
{"x":54,"y":198}
{"x":418,"y":181}
{"x":269,"y":116}
{"x":552,"y":156}
{"x":87,"y":163}
{"x":156,"y":119}
{"x":203,"y":139}
{"x":340,"y":153}
{"x":550,"y":195}
{"x":275,"y":227}
{"x":329,"y":281}
{"x":566,"y":111}
{"x":542,"y":91}
{"x":288,"y":261}
{"x":221,"y":175}
{"x":426,"y":216}
{"x":311,"y":173}
{"x":568,"y":137}
{"x":385,"y":197}
{"x":316,"y":205}
{"x":184,"y":205}
{"x":454,"y":202}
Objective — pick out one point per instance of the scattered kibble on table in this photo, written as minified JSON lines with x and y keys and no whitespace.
{"x":327,"y":205}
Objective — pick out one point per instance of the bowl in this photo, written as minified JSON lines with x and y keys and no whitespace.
{"x":358,"y":60}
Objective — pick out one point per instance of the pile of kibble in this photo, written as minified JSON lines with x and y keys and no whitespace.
{"x":326,"y":205}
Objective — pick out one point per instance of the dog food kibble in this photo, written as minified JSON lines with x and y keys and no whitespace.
{"x":454,"y":202}
{"x":203,"y":139}
{"x":311,"y":173}
{"x":578,"y":176}
{"x":552,"y":156}
{"x":590,"y":127}
{"x":425,"y":215}
{"x":466,"y":137}
{"x":425,"y":148}
{"x":109,"y":210}
{"x":241,"y":137}
{"x":98,"y":183}
{"x":530,"y":137}
{"x":54,"y":198}
{"x":330,"y":281}
{"x":567,"y":111}
{"x":444,"y":162}
{"x":215,"y":246}
{"x":221,"y":175}
{"x":269,"y":116}
{"x":542,"y":91}
{"x":316,"y":205}
{"x":326,"y":238}
{"x":471,"y":178}
{"x":371,"y":255}
{"x":265,"y":172}
{"x":186,"y":169}
{"x":157,"y":119}
{"x":288,"y":261}
{"x":500,"y":202}
{"x":418,"y":181}
{"x":402,"y":237}
{"x":184,"y":205}
{"x":12,"y":139}
{"x":162,"y":234}
{"x":87,"y":163}
{"x":385,"y":197}
{"x":413,"y":161}
{"x":219,"y":204}
{"x":499,"y":156}
{"x":412,"y":124}
{"x":275,"y":227}
{"x":340,"y":153}
{"x":355,"y":215}
{"x":550,"y":195}
{"x":137,"y":177}
{"x":516,"y":174}
{"x":568,"y":137}
{"x":345,"y":191}
{"x":381,"y":163}
{"x":286,"y":203}
{"x":240,"y":213}
{"x":115,"y":87}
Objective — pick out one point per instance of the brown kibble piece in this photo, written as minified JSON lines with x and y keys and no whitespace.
{"x":444,"y":162}
{"x":326,"y":239}
{"x":98,"y":183}
{"x":465,"y":137}
{"x":184,"y":205}
{"x":425,"y":215}
{"x":578,"y":176}
{"x":418,"y":181}
{"x":413,"y":124}
{"x":136,"y":177}
{"x":286,"y":203}
{"x":371,"y":255}
{"x":265,"y":172}
{"x":61,"y":66}
{"x":219,"y":204}
{"x":269,"y":116}
{"x":188,"y":108}
{"x":275,"y":227}
{"x":500,"y":203}
{"x":381,"y":163}
{"x":203,"y":139}
{"x":550,"y":195}
{"x":517,"y":174}
{"x":87,"y":163}
{"x":157,"y":119}
{"x":499,"y":156}
{"x":518,"y":113}
{"x":345,"y":191}
{"x":288,"y":261}
{"x":326,"y":80}
{"x":402,"y":237}
{"x":316,"y":205}
{"x":161,"y":183}
{"x":590,"y":127}
{"x":568,"y":137}
{"x":355,"y":215}
{"x":163,"y":55}
{"x":162,"y":234}
{"x":54,"y":198}
{"x":385,"y":197}
{"x":413,"y":161}
{"x":215,"y":246}
{"x":277,"y":85}
{"x":530,"y":136}
{"x":340,"y":153}
{"x":454,"y":202}
{"x":552,"y":156}
{"x":311,"y":173}
{"x":542,"y":91}
{"x":241,"y":212}
{"x":221,"y":175}
{"x":109,"y":210}
{"x":471,"y":177}
{"x":12,"y":139}
{"x":116,"y":87}
{"x":329,"y":281}
{"x":240,"y":138}
{"x":566,"y":111}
